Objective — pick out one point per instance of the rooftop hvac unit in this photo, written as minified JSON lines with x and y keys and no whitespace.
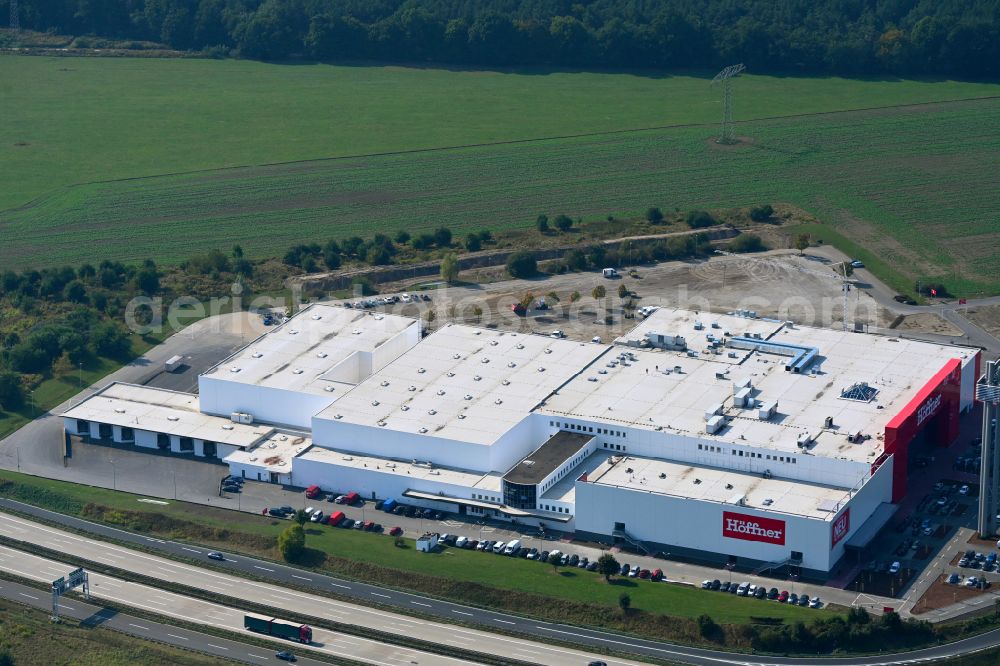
{"x":742,"y":397}
{"x":744,"y":383}
{"x":767,"y":410}
{"x":713,"y":411}
{"x":698,"y":326}
{"x":241,"y":417}
{"x":804,"y":440}
{"x":714,"y":424}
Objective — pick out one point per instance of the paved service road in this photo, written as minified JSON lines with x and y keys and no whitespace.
{"x":149,"y":565}
{"x":94,"y":615}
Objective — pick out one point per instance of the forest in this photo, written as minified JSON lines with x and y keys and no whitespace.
{"x":954,"y":38}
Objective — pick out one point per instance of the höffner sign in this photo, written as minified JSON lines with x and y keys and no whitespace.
{"x":753,"y":528}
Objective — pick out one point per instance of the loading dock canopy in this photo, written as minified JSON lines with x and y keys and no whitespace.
{"x":479,"y":504}
{"x":866,"y":533}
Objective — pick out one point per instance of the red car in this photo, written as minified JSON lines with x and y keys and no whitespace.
{"x":396,"y":531}
{"x":658,"y":574}
{"x":644,"y":574}
{"x":369,"y":524}
{"x":783,"y":597}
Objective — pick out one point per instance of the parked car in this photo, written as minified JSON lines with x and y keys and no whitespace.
{"x":706,"y":585}
{"x":574,"y":560}
{"x":316,"y":516}
{"x":964,"y":490}
{"x":627,"y":567}
{"x":743,"y":588}
{"x":369,"y":525}
{"x":582,"y":564}
{"x":533,"y":554}
{"x":954,"y":579}
{"x":634,"y":571}
{"x":644,"y":574}
{"x":543,"y":556}
{"x":761,"y":592}
{"x":815,"y":602}
{"x":804,"y":600}
{"x":772,"y":594}
{"x":658,"y":575}
{"x":592,"y":566}
{"x":347,"y":523}
{"x":395,"y":531}
{"x":783,"y":597}
{"x":894,"y":568}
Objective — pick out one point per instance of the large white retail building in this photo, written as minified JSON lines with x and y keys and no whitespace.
{"x":722,"y":438}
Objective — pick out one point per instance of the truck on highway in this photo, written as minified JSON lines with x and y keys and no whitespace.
{"x":271,"y":626}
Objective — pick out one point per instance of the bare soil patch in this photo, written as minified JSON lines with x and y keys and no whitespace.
{"x":927,"y":322}
{"x":941,"y":594}
{"x":987,"y":317}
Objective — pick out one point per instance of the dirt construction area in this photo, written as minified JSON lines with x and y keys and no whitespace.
{"x":778,"y":284}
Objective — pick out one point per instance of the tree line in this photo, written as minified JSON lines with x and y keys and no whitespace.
{"x":946,"y":37}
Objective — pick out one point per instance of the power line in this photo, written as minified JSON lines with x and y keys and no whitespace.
{"x":725,"y":77}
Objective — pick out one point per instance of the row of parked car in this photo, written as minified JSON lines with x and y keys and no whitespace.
{"x":748,"y":589}
{"x":516,"y":549}
{"x":971,"y":581}
{"x":386,"y":300}
{"x":974,"y":560}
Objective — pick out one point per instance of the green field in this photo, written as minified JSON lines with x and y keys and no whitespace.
{"x":896,"y":181}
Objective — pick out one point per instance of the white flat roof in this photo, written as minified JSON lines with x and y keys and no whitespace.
{"x":295,"y":354}
{"x":640,"y":393}
{"x":463,"y":383}
{"x":273,"y":454}
{"x":484,"y":482}
{"x":159,"y":410}
{"x":710,"y":484}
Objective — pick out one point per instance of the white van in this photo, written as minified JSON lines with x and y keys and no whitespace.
{"x":743,"y":589}
{"x":461,"y":541}
{"x":498,"y":547}
{"x":554,"y":552}
{"x":610,"y":273}
{"x":511,"y":547}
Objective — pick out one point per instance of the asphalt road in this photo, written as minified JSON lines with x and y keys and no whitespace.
{"x":94,"y":615}
{"x":140,"y":563}
{"x":216,"y":615}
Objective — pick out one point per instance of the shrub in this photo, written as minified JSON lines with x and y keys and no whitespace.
{"x":564,"y":222}
{"x":473,"y":243}
{"x":542,"y":223}
{"x":746,"y":243}
{"x":292,"y":543}
{"x":761,"y":213}
{"x":654,"y":215}
{"x":522,"y":264}
{"x":442,"y":237}
{"x":699,"y":219}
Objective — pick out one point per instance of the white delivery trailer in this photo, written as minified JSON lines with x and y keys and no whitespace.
{"x":173,"y":364}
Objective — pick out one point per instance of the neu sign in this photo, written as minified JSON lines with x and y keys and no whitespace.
{"x":841,"y":526}
{"x":928,"y":408}
{"x":753,"y":528}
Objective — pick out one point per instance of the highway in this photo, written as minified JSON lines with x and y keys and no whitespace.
{"x":279,"y":597}
{"x":188,"y":609}
{"x":163,"y":633}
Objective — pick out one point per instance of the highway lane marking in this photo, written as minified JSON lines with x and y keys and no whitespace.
{"x":24,"y":594}
{"x":346,"y":587}
{"x":302,"y":578}
{"x":69,"y":608}
{"x":257,"y":566}
{"x":138,"y":626}
{"x":461,"y":612}
{"x":496,"y":619}
{"x":376,"y":594}
{"x":191,"y":550}
{"x":217,"y":647}
{"x":183,"y":638}
{"x":251,"y":654}
{"x":417,"y":603}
